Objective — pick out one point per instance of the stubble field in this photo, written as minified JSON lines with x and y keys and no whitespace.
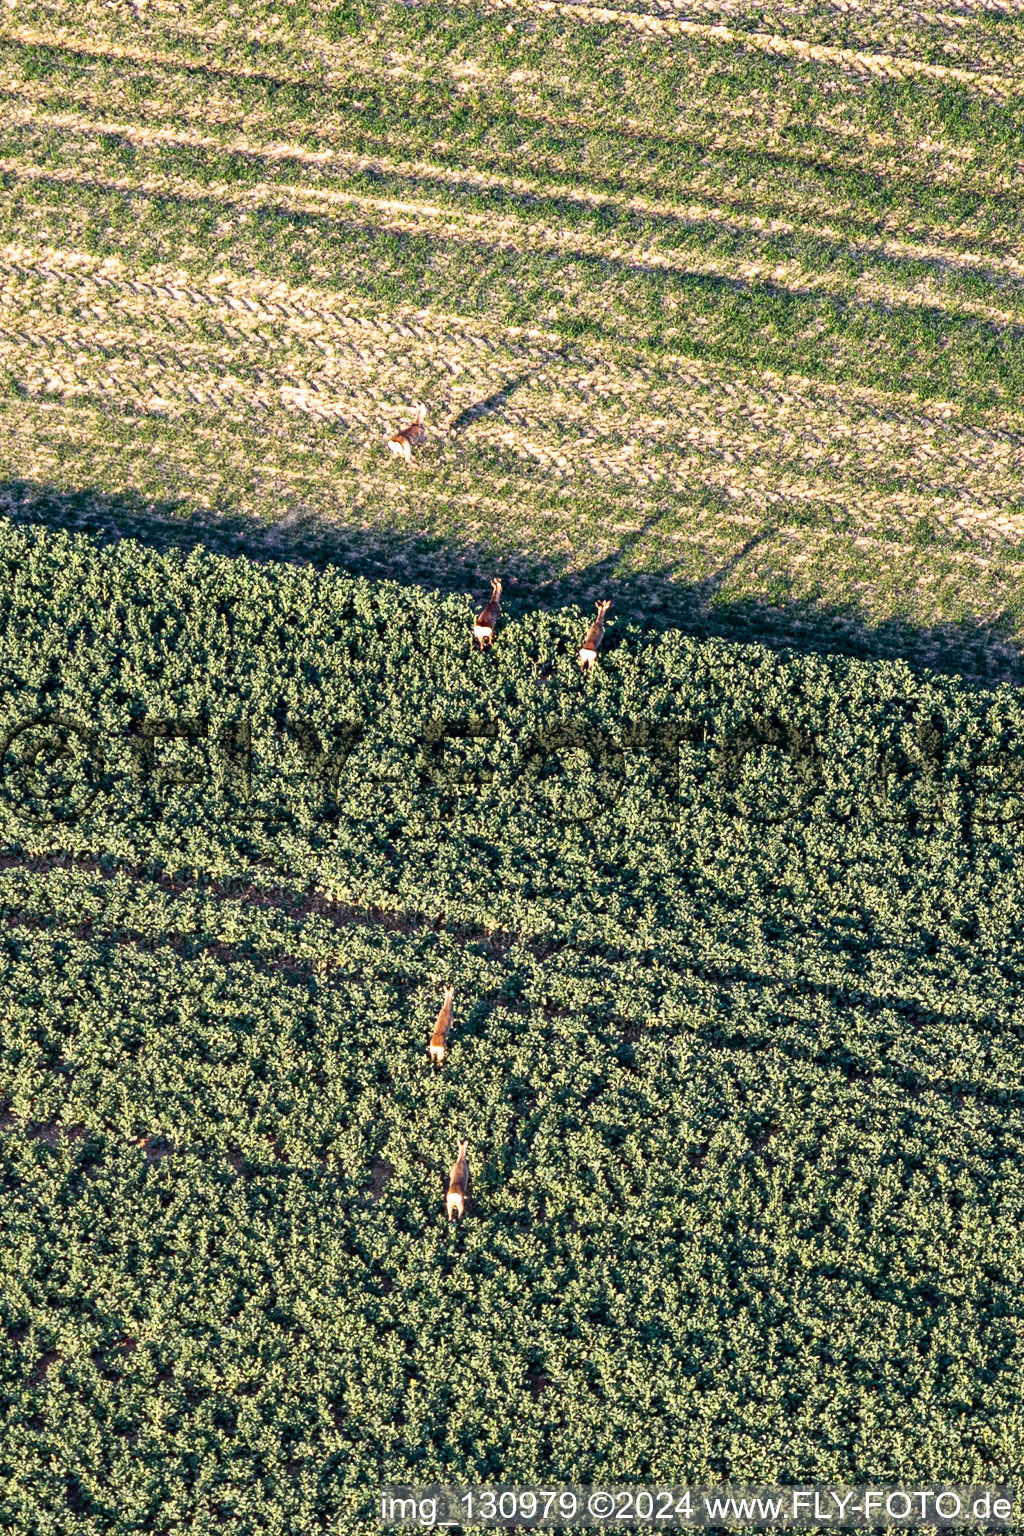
{"x":716,"y":309}
{"x":737,"y":1048}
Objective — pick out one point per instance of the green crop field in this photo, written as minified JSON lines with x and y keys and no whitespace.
{"x":737,"y":1048}
{"x":717,"y":308}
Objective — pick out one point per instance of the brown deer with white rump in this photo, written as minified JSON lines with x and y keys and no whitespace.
{"x":437,"y":1046}
{"x":458,"y":1184}
{"x":487,"y":618}
{"x":595,"y":634}
{"x":410,"y":437}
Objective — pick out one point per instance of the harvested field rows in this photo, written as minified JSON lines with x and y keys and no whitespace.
{"x":960,"y":42}
{"x":730,"y":313}
{"x":346,"y":369}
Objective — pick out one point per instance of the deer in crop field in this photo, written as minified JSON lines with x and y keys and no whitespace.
{"x":595,"y":634}
{"x":444,"y":1023}
{"x":410,"y":437}
{"x":487,"y":618}
{"x":458,"y":1183}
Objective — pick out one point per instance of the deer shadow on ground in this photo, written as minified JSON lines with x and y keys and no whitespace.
{"x":493,"y":403}
{"x":983,"y":653}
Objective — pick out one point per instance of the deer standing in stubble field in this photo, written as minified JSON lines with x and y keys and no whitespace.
{"x":487,"y":618}
{"x":458,"y":1184}
{"x":595,"y":634}
{"x":410,"y":437}
{"x":437,"y":1046}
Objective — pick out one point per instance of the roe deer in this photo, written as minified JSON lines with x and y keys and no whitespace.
{"x":595,"y":634}
{"x":410,"y":437}
{"x":444,"y":1023}
{"x":487,"y":618}
{"x":458,"y":1183}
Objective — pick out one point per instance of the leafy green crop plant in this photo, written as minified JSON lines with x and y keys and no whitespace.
{"x":737,"y":1053}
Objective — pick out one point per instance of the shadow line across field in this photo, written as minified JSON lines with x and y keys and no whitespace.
{"x":982,"y":653}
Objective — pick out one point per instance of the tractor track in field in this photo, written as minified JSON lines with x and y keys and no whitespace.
{"x":566,"y":411}
{"x":1007,"y":268}
{"x":891,"y":38}
{"x":321,"y":59}
{"x":74,"y":41}
{"x":185,"y":946}
{"x":649,"y":450}
{"x":293,"y":903}
{"x":716,"y":970}
{"x":998,"y":87}
{"x":660,"y":453}
{"x":748,"y":483}
{"x":953,"y":18}
{"x":381,"y":503}
{"x":728,"y":133}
